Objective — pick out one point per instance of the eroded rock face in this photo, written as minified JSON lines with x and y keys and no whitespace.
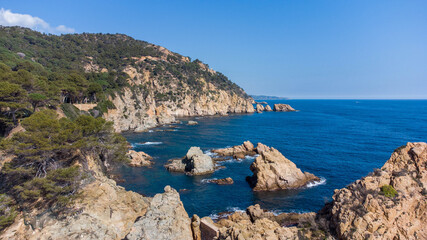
{"x":103,"y":211}
{"x":195,"y":162}
{"x":272,"y":171}
{"x":280,"y":107}
{"x":259,"y":108}
{"x":139,"y":159}
{"x":268,"y":108}
{"x":361,"y":211}
{"x":165,"y":219}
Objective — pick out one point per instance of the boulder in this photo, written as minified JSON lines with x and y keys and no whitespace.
{"x":223,"y":181}
{"x":280,"y":107}
{"x":192,"y":123}
{"x":268,"y":108}
{"x":139,"y":159}
{"x":195,"y":162}
{"x":165,"y":219}
{"x":272,"y":171}
{"x":259,"y":108}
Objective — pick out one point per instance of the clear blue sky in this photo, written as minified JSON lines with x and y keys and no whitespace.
{"x":298,"y":49}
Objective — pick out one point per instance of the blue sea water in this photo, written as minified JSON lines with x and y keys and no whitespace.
{"x":338,"y":140}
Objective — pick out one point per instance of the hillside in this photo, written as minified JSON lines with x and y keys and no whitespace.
{"x":133,"y":83}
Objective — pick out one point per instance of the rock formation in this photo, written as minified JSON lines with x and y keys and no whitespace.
{"x":195,"y":162}
{"x":165,"y":219}
{"x":280,"y":107}
{"x":259,"y":108}
{"x":370,"y":209}
{"x":192,"y":123}
{"x":268,"y":108}
{"x":223,"y":181}
{"x":139,"y":159}
{"x":272,"y":171}
{"x":237,"y":152}
{"x":103,"y":211}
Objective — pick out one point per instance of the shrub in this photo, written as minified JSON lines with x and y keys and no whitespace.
{"x":388,"y":191}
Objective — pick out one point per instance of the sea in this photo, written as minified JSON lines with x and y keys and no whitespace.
{"x":339,"y":141}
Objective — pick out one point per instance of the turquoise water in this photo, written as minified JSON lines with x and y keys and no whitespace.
{"x":338,"y":140}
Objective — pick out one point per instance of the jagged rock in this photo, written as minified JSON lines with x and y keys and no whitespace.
{"x":362,"y":211}
{"x":192,"y":123}
{"x":195,"y":227}
{"x":280,"y":107}
{"x":139,"y":159}
{"x":102,"y":211}
{"x":272,"y":171}
{"x":165,"y":219}
{"x":195,"y":162}
{"x":238,"y":152}
{"x":268,"y":108}
{"x":223,"y":181}
{"x":259,"y":108}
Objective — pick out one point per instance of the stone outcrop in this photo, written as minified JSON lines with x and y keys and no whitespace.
{"x":237,"y":152}
{"x":195,"y":162}
{"x":165,"y":219}
{"x":272,"y":171}
{"x":280,"y":107}
{"x":259,"y":108}
{"x":103,"y":211}
{"x":268,"y":108}
{"x":139,"y":159}
{"x":367,"y":210}
{"x":257,"y":223}
{"x":222,"y":181}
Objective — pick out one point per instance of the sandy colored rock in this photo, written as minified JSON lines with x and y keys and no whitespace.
{"x":272,"y":171}
{"x":139,"y":159}
{"x":192,"y":123}
{"x":165,"y":219}
{"x":237,"y":152}
{"x":195,"y":162}
{"x":280,"y":107}
{"x":268,"y":108}
{"x":103,"y":211}
{"x":361,"y":211}
{"x":259,"y":108}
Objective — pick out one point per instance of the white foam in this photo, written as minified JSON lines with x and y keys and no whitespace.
{"x":150,"y":143}
{"x":229,"y":210}
{"x":150,"y":131}
{"x":317,"y":183}
{"x":207,"y":180}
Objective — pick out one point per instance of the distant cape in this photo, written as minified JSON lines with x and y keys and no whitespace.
{"x":264,"y":97}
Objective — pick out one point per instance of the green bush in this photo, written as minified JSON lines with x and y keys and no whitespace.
{"x":388,"y":191}
{"x":7,"y":211}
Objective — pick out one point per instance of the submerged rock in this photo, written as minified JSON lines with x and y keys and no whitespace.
{"x":223,"y":181}
{"x":139,"y":159}
{"x":272,"y":171}
{"x":165,"y":219}
{"x":280,"y":107}
{"x":195,"y":162}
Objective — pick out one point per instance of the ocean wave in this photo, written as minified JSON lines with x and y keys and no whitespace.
{"x":207,"y":180}
{"x":317,"y":183}
{"x":145,"y":143}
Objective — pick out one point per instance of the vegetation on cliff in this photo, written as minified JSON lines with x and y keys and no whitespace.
{"x":38,"y":69}
{"x":50,"y":160}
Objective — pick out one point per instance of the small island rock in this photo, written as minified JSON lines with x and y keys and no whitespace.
{"x":191,"y":123}
{"x":272,"y":171}
{"x":195,"y":162}
{"x":139,"y":159}
{"x":259,"y":108}
{"x":223,"y":181}
{"x":268,"y":108}
{"x":280,"y":107}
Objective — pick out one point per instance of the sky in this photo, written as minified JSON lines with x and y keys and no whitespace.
{"x":319,"y":49}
